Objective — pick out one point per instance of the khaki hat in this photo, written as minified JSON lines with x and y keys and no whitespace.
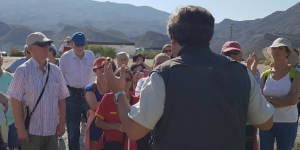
{"x":291,"y":59}
{"x":36,"y":37}
{"x":68,"y":39}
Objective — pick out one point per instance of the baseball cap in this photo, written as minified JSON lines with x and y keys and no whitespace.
{"x":36,"y":37}
{"x":267,"y":52}
{"x":78,"y":38}
{"x":230,"y":46}
{"x":99,"y":62}
{"x":53,"y":47}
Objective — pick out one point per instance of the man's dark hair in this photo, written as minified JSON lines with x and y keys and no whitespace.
{"x":191,"y":26}
{"x":136,"y":56}
{"x":135,"y":65}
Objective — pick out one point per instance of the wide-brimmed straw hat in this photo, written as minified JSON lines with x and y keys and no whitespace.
{"x":291,"y":59}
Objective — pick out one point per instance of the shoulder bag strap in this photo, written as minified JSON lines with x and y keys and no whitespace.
{"x":42,"y":91}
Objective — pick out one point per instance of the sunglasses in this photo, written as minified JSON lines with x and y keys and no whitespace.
{"x":42,"y":44}
{"x":167,"y":51}
{"x":28,"y":52}
{"x":68,"y":41}
{"x":139,"y":72}
{"x":128,"y":79}
{"x":232,"y":53}
{"x":80,"y":45}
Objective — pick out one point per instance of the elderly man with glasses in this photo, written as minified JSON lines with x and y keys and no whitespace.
{"x":77,"y":68}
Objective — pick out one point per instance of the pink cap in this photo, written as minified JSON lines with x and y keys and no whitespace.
{"x":230,"y":46}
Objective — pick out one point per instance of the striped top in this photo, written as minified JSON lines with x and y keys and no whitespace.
{"x":26,"y":87}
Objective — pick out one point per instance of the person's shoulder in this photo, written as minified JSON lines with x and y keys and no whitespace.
{"x":54,"y":67}
{"x":89,"y":53}
{"x":89,"y":87}
{"x":7,"y":74}
{"x":67,"y":54}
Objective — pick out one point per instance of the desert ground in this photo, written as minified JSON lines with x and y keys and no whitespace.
{"x":63,"y":143}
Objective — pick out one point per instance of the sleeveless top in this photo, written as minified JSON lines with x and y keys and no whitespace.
{"x":281,"y":88}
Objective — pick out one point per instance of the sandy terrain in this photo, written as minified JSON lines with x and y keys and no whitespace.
{"x":63,"y":143}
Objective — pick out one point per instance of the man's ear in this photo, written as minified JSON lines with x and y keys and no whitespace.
{"x":173,"y":42}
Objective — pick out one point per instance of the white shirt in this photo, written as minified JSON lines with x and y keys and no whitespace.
{"x":77,"y":72}
{"x":61,"y":49}
{"x":149,"y":109}
{"x":26,"y":87}
{"x":281,"y":88}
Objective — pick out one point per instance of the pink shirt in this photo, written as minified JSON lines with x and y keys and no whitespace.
{"x":26,"y":87}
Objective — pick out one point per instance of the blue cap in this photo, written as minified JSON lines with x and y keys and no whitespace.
{"x":78,"y":38}
{"x":53,"y":47}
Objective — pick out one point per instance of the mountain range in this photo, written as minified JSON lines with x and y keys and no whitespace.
{"x":145,"y":26}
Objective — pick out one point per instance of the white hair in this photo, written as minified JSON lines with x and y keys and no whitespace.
{"x":160,"y":55}
{"x":123,"y":53}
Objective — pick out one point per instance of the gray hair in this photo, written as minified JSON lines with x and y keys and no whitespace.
{"x":122,"y":53}
{"x":160,"y":55}
{"x":25,"y":47}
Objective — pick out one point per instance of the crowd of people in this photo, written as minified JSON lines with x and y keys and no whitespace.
{"x":190,"y":98}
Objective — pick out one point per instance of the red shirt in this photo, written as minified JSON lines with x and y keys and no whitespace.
{"x":108,"y":111}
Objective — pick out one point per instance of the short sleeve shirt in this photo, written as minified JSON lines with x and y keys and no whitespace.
{"x":12,"y":68}
{"x":108,"y":111}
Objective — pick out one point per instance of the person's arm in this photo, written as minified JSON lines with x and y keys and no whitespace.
{"x":260,"y":111}
{"x":147,"y":66}
{"x":92,"y":100}
{"x":252,"y":63}
{"x":3,"y":98}
{"x":292,"y":98}
{"x":62,"y":116}
{"x":134,"y":130}
{"x":19,"y":123}
{"x":108,"y":126}
{"x":140,"y":118}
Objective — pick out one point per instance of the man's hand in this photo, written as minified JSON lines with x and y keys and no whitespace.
{"x":118,"y":127}
{"x":252,"y":63}
{"x":114,"y":83}
{"x":60,"y":129}
{"x":23,"y":135}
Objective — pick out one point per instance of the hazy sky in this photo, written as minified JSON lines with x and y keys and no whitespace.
{"x":221,"y":9}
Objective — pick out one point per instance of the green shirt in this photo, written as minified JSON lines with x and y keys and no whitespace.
{"x":5,"y":80}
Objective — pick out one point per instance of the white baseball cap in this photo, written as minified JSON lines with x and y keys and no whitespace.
{"x":36,"y":37}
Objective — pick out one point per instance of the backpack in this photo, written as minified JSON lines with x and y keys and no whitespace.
{"x":292,"y":74}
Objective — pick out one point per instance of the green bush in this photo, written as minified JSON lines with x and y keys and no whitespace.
{"x":15,"y":52}
{"x":102,"y":51}
{"x":261,"y":62}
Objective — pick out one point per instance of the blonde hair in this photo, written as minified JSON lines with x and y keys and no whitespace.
{"x":163,"y":49}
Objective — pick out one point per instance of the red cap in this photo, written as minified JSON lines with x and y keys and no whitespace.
{"x":230,"y":46}
{"x":99,"y":62}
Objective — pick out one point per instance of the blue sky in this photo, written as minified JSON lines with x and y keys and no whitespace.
{"x":231,"y":9}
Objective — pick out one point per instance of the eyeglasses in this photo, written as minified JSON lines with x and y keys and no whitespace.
{"x":167,"y":51}
{"x":128,"y":79}
{"x":28,"y":52}
{"x":80,"y":45}
{"x":68,"y":41}
{"x":139,"y":72}
{"x":42,"y":44}
{"x":232,"y":53}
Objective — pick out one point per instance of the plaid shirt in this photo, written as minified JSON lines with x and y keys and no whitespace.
{"x":26,"y":87}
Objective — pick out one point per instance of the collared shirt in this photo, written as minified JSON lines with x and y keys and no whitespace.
{"x":77,"y":72}
{"x":149,"y":109}
{"x":12,"y":68}
{"x":27,"y":86}
{"x":5,"y":81}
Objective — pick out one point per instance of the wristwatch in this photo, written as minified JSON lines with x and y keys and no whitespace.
{"x":117,"y":95}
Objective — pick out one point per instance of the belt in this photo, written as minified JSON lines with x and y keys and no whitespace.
{"x":76,"y":89}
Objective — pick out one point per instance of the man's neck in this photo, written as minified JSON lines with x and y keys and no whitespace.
{"x":80,"y":56}
{"x":52,"y":60}
{"x":41,"y":62}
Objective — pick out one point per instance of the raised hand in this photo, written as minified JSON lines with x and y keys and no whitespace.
{"x":114,"y":83}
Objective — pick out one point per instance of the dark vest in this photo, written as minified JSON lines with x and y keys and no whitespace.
{"x":206,"y":105}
